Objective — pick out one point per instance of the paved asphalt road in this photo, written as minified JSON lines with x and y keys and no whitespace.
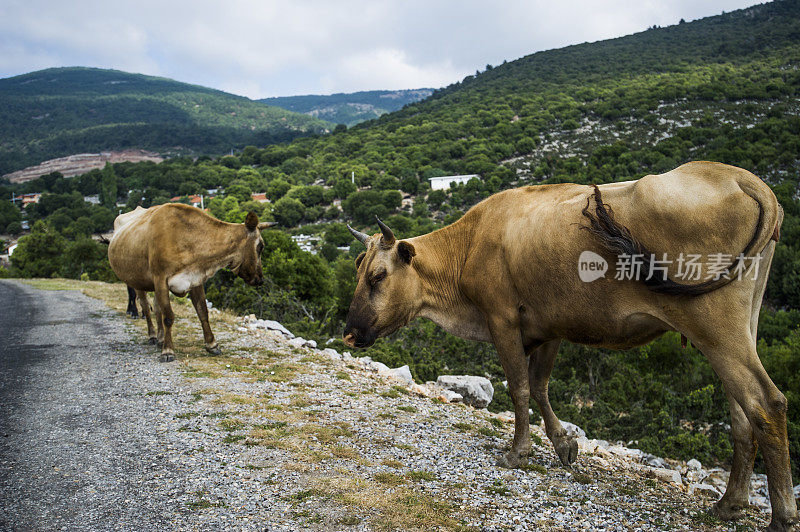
{"x":79,"y":440}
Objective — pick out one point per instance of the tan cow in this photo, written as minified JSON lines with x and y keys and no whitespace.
{"x":177,"y":248}
{"x":509,"y":272}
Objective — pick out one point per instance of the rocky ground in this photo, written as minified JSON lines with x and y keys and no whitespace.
{"x":278,"y":434}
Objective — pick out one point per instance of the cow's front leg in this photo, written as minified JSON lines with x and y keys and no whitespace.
{"x":167,"y":319}
{"x":540,"y":365}
{"x":508,"y":341}
{"x":198,"y":296}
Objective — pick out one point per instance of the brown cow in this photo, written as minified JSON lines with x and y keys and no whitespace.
{"x":176,"y":248}
{"x":508,"y":272}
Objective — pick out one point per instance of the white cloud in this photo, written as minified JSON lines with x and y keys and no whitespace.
{"x":272,"y":47}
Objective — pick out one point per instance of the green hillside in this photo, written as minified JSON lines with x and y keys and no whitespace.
{"x":349,"y":108}
{"x":60,"y":111}
{"x":724,"y":88}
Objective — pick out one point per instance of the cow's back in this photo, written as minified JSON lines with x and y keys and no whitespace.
{"x":698,"y":208}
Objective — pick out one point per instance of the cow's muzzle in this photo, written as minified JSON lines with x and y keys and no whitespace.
{"x":360,"y":341}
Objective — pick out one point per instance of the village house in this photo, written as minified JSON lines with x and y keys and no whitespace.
{"x":27,"y":199}
{"x":444,"y":182}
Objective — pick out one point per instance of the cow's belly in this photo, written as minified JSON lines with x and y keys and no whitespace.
{"x":623,"y":333}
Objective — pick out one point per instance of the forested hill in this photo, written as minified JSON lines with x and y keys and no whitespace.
{"x":350,"y":108}
{"x":61,"y":111}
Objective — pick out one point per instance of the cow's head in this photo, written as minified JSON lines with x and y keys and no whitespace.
{"x":247,"y":260}
{"x":387,"y":293}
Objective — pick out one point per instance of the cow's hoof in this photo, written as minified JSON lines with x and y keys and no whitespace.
{"x":726,"y":511}
{"x":780,"y":526}
{"x":131,"y":315}
{"x":512,"y":460}
{"x":153,"y":341}
{"x":566,"y":449}
{"x":166,"y":357}
{"x":214,"y":350}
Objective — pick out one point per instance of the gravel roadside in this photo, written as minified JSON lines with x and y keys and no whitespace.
{"x":96,"y":434}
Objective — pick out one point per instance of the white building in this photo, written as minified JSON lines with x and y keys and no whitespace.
{"x":443,"y":182}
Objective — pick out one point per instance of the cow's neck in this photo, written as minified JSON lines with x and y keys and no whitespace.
{"x":439,"y":262}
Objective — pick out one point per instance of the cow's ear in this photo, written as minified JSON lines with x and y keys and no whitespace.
{"x":251,"y":221}
{"x":406,"y":251}
{"x":360,"y":258}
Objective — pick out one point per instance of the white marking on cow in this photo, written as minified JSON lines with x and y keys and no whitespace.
{"x":181,"y":283}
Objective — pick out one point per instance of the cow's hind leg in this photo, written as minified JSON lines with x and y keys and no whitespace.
{"x":540,"y":365}
{"x":164,"y":309}
{"x":737,"y":494}
{"x":141,"y":295}
{"x":198,"y":296}
{"x":733,"y":357}
{"x":131,"y":310}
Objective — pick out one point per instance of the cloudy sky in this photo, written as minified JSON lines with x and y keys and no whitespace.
{"x":262,"y":48}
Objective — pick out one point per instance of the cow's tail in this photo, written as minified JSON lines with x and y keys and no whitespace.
{"x":617,"y":239}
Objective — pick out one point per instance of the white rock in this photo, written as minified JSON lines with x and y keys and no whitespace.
{"x":403,"y":373}
{"x":666,"y":475}
{"x":380,"y":367}
{"x":275,"y":326}
{"x":331,"y":353}
{"x":797,"y":492}
{"x":573,"y":429}
{"x":760,"y":502}
{"x":476,"y":391}
{"x":311,"y":343}
{"x":694,"y":464}
{"x":587,"y":446}
{"x":655,"y":461}
{"x":704,"y":489}
{"x":450,"y":396}
{"x":297,"y":343}
{"x":242,"y":329}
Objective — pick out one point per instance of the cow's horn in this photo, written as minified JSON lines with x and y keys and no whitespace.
{"x":388,"y":236}
{"x":361,"y":237}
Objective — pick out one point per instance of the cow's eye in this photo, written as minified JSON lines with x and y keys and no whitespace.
{"x":378,"y":277}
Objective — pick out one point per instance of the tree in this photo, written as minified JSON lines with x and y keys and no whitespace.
{"x":8,"y":214}
{"x":338,"y":234}
{"x":108,"y":187}
{"x":436,"y":198}
{"x":288,"y":211}
{"x":277,"y":189}
{"x":39,"y":254}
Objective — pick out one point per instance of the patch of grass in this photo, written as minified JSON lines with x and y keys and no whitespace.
{"x":536,"y":439}
{"x":233,"y":438}
{"x":498,"y":488}
{"x":305,"y":494}
{"x":231,"y":425}
{"x":157,"y":392}
{"x":705,"y":518}
{"x":490,"y":432}
{"x":342,"y":376}
{"x":398,"y":508}
{"x":343,"y":451}
{"x":420,"y":475}
{"x":462,"y":427}
{"x":536,"y":468}
{"x":349,"y":520}
{"x":397,"y":464}
{"x":390,"y":394}
{"x":388,"y":478}
{"x":581,"y":478}
{"x":301,"y":401}
{"x":405,"y":446}
{"x":630,"y":491}
{"x":411,"y":409}
{"x":199,"y":374}
{"x":497,"y":423}
{"x":187,"y":415}
{"x":386,"y":415}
